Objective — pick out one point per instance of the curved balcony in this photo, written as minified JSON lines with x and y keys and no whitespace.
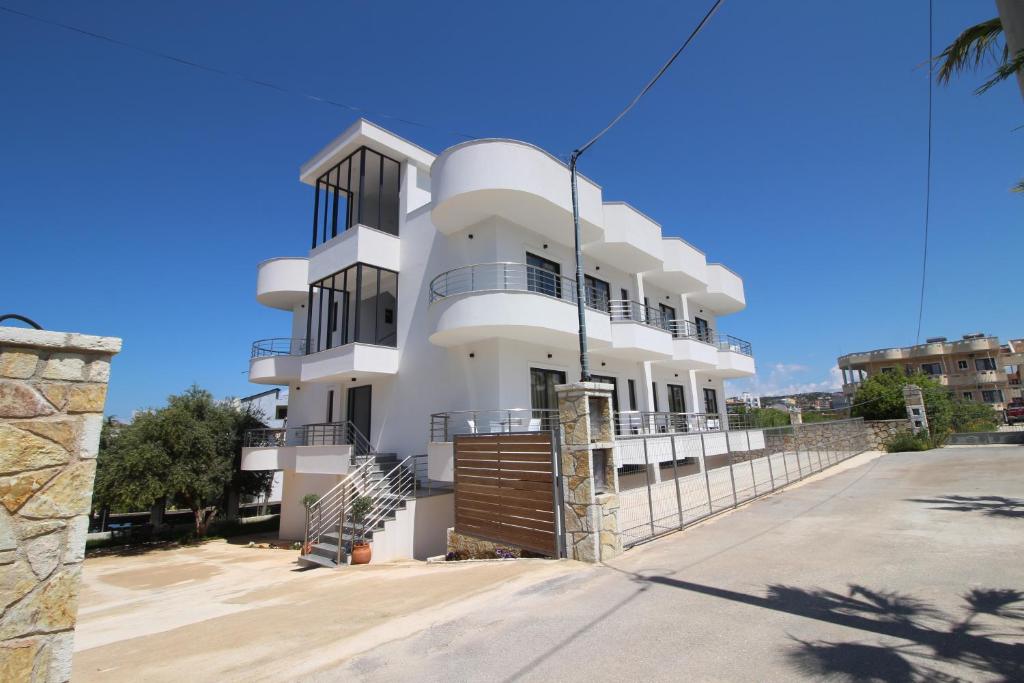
{"x":513,"y":180}
{"x":724,"y":293}
{"x":692,"y":349}
{"x":276,"y":361}
{"x":683,"y":268}
{"x":282,"y":282}
{"x":512,"y":301}
{"x":632,"y":241}
{"x":639,"y":333}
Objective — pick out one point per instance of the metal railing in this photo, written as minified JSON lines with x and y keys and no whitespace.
{"x":278,"y":346}
{"x":670,"y":481}
{"x":320,"y":434}
{"x":624,"y":310}
{"x":330,"y":511}
{"x":633,"y":422}
{"x":443,"y":426}
{"x":727,"y":342}
{"x":507,"y":276}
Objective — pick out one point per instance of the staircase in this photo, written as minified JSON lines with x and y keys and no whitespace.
{"x":330,"y":530}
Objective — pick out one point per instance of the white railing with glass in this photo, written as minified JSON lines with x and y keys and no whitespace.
{"x":444,"y":426}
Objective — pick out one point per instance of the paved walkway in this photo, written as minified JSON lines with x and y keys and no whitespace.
{"x":898,"y":568}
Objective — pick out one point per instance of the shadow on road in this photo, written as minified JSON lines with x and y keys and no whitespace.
{"x":931,"y":634}
{"x":992,"y":506}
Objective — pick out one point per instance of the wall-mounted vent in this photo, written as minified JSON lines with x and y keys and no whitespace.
{"x":934,"y":340}
{"x":975,"y":335}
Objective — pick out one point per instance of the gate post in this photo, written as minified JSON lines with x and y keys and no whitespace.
{"x":590,"y":483}
{"x":914,"y":399}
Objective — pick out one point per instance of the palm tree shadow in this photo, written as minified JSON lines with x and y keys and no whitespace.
{"x":991,"y":506}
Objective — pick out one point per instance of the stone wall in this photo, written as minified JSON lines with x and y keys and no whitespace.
{"x":53,"y":386}
{"x":880,"y":431}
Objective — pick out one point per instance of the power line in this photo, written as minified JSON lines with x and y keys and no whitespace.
{"x":231,"y":74}
{"x":650,"y":84}
{"x":928,"y":180}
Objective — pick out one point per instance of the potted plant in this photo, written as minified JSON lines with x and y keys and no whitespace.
{"x":308,"y":501}
{"x":360,"y":548}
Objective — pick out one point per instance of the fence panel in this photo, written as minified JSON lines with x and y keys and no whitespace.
{"x":669,"y":481}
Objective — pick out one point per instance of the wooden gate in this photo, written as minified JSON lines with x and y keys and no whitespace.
{"x":506,"y":490}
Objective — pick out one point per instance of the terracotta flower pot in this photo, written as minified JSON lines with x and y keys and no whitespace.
{"x":361,"y":553}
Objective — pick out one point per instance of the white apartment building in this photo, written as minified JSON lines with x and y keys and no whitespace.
{"x":437,"y":297}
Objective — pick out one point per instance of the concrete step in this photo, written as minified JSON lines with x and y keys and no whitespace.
{"x":317,"y":561}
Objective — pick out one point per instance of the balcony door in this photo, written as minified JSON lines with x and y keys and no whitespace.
{"x":710,"y":402}
{"x":703,"y":329}
{"x":599,"y":293}
{"x":543,"y":276}
{"x":543,"y":397}
{"x":358,"y":409}
{"x":668,"y":314}
{"x":676,"y":398}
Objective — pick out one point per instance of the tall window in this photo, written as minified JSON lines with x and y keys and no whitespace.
{"x":543,"y":276}
{"x":983,"y":364}
{"x":361,"y":189}
{"x":358,"y":304}
{"x":710,"y":401}
{"x":543,"y":398}
{"x":599,"y":293}
{"x":992,"y":396}
{"x":931,"y":368}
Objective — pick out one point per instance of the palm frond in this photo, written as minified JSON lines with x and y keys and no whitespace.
{"x":972,"y":47}
{"x":1019,"y":187}
{"x":1007,"y":69}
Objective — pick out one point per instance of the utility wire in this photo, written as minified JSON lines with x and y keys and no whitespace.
{"x":650,"y":84}
{"x":232,"y":74}
{"x":928,"y":180}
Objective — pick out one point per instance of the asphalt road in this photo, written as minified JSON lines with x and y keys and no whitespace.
{"x":903,"y":567}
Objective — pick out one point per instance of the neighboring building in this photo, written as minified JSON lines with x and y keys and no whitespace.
{"x":1012,"y":360}
{"x":973,"y":368}
{"x":746,"y":399}
{"x":839,"y":401}
{"x":273,"y":405}
{"x":437,"y":298}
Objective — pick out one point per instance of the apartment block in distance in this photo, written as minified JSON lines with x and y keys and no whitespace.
{"x":973,"y":368}
{"x":436,"y":299}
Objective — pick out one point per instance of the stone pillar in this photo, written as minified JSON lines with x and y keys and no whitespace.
{"x":916,"y":413}
{"x":53,"y":386}
{"x":590,"y":484}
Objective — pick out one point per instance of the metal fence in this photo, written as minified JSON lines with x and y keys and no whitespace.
{"x":669,"y":481}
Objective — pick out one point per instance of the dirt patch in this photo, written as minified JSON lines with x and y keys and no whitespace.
{"x":147,"y":578}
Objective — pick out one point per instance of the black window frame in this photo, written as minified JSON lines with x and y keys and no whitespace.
{"x":980,"y":362}
{"x":330,"y":186}
{"x":595,"y":297}
{"x":350,"y":310}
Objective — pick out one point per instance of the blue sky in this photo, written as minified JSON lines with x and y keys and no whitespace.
{"x":137,"y":195}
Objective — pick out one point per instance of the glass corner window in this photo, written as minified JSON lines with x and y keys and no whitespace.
{"x":362,"y":189}
{"x":357,"y":304}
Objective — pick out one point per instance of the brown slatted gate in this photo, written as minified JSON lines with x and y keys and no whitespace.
{"x":505,"y":489}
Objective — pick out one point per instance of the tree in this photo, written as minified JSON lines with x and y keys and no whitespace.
{"x":880,"y":397}
{"x":188,"y":452}
{"x":977,"y":45}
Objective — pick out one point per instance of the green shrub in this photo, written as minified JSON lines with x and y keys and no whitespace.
{"x":969,"y":416}
{"x":905,"y":442}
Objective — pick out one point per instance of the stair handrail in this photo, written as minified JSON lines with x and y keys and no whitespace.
{"x":333,"y":507}
{"x":399,"y":488}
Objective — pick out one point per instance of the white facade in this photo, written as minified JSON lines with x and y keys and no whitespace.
{"x":470,"y":317}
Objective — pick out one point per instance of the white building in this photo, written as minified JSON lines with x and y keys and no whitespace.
{"x":272,"y":405}
{"x":438,"y":297}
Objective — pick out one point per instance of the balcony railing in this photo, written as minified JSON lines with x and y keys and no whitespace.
{"x":443,"y":426}
{"x":319,"y":434}
{"x":280,"y":346}
{"x":632,"y":422}
{"x":623,"y":310}
{"x":727,"y":342}
{"x":511,"y":277}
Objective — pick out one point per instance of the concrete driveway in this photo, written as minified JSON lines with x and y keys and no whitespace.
{"x":901,"y":567}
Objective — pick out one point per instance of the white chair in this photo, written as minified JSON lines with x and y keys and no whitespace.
{"x":534,"y":425}
{"x":472,"y":426}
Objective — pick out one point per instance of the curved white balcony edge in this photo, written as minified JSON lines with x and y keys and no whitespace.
{"x":637,"y":341}
{"x":274,"y":369}
{"x":732,"y":364}
{"x":282,"y":282}
{"x":514,"y":180}
{"x":509,"y":314}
